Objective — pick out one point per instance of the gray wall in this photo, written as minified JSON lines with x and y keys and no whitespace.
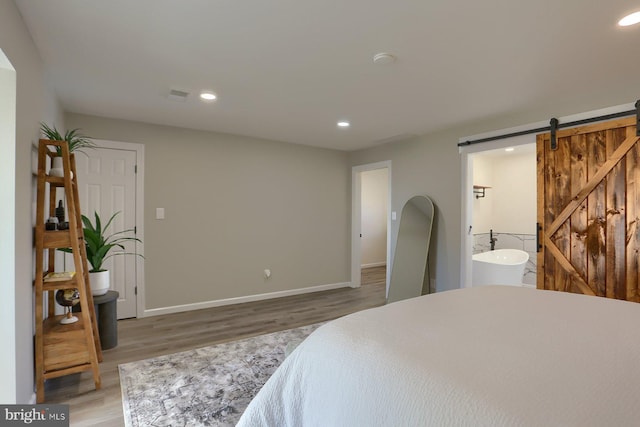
{"x":35,"y":103}
{"x":235,"y":206}
{"x":430,"y":166}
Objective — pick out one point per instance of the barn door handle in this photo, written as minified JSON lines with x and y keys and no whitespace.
{"x":538,"y":231}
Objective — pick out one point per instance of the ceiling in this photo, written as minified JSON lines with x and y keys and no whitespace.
{"x":288,"y":70}
{"x":519,"y":150}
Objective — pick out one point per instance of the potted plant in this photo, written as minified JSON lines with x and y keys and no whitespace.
{"x":100,"y":246}
{"x":74,"y":138}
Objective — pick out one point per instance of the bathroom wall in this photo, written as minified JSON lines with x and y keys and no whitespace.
{"x":483,"y":206}
{"x":509,"y":206}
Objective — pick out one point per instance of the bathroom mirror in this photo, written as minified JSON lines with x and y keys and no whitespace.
{"x":410,"y":272}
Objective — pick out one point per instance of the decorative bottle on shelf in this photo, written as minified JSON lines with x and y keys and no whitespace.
{"x":62,"y":224}
{"x":60,"y":212}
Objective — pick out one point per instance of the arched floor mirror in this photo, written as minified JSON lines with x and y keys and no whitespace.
{"x":410,"y":272}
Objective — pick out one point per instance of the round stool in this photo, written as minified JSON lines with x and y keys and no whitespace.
{"x":106,"y":308}
{"x":107,"y":318}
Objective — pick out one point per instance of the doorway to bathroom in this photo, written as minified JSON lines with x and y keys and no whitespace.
{"x":503,"y":214}
{"x":499,"y":198}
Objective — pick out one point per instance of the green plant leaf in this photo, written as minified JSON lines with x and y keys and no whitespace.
{"x":98,"y":227}
{"x":73,"y":137}
{"x":87,"y":222}
{"x":100,"y":247}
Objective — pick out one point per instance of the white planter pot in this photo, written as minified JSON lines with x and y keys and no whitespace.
{"x":99,"y":282}
{"x":57,"y":168}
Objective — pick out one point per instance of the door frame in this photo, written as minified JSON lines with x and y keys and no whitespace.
{"x":139,"y":149}
{"x":356,"y":219}
{"x":466,"y":169}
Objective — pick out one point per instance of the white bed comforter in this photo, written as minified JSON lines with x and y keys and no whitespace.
{"x":485,"y":356}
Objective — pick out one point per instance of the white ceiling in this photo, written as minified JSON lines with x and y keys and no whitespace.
{"x":290,"y":69}
{"x":519,"y":150}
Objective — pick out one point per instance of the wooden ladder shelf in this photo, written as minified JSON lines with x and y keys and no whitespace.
{"x":62,"y":349}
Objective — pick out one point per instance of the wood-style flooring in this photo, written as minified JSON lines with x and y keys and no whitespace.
{"x":140,"y":339}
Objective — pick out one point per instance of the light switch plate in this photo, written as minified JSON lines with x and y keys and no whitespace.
{"x":159,"y":213}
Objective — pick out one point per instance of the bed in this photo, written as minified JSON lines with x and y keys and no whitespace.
{"x":484,"y":356}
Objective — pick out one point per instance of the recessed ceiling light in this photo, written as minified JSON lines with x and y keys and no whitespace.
{"x":344,"y":124}
{"x":509,"y":149}
{"x":631,"y":19}
{"x":208,"y":96}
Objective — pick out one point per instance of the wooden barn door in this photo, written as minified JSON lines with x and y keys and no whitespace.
{"x":588,"y":210}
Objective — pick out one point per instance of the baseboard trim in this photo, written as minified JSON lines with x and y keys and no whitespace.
{"x":374,"y":264}
{"x":239,"y":300}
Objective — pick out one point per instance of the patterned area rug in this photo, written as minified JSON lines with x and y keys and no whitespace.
{"x":208,"y":386}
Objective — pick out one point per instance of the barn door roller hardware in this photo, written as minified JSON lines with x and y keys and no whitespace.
{"x":553,"y":127}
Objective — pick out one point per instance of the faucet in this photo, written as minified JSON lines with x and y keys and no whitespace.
{"x":492,"y":240}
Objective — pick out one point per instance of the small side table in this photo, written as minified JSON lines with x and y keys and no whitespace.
{"x":106,"y":315}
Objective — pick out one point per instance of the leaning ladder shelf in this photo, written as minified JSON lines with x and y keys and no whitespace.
{"x":62,"y":349}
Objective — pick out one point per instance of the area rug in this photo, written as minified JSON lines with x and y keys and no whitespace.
{"x":209,"y":386}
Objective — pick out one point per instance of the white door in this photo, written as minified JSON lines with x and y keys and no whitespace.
{"x":107,"y":184}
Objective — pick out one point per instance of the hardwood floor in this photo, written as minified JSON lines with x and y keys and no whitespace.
{"x":154,"y":336}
